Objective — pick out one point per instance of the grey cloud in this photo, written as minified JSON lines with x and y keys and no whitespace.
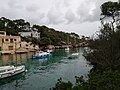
{"x":94,"y":17}
{"x":10,"y":13}
{"x":34,"y":16}
{"x":14,"y":4}
{"x":11,"y":9}
{"x":70,"y":16}
{"x":66,"y":3}
{"x":61,"y":3}
{"x":85,"y":8}
{"x":86,"y":11}
{"x":32,"y":8}
{"x":54,"y":16}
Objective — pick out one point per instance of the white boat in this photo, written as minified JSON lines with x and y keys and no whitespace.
{"x":7,"y":71}
{"x":49,"y":50}
{"x":74,"y":55}
{"x":67,"y":49}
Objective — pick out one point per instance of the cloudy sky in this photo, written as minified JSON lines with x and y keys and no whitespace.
{"x":79,"y":16}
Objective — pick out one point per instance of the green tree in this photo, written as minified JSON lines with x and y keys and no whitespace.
{"x":105,"y":48}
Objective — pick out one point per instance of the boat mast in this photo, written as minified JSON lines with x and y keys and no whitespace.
{"x":16,"y":53}
{"x":50,"y":41}
{"x":68,"y":41}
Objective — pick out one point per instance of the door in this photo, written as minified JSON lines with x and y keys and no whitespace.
{"x":10,"y":47}
{"x":0,"y":49}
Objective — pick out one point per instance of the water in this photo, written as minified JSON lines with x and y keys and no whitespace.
{"x":43,"y":74}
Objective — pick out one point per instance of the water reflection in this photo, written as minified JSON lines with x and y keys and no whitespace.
{"x":14,"y":59}
{"x":17,"y":78}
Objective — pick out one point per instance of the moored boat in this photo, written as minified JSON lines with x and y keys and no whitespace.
{"x":49,"y":50}
{"x":41,"y":55}
{"x":7,"y":71}
{"x":67,"y":49}
{"x":74,"y":55}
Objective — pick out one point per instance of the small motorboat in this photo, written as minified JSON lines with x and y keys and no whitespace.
{"x":41,"y":55}
{"x":7,"y":71}
{"x":67,"y":49}
{"x":73,"y":55}
{"x":49,"y":50}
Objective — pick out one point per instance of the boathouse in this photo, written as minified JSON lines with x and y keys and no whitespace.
{"x":10,"y":43}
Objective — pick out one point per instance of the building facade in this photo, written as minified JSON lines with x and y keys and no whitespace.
{"x":10,"y":43}
{"x":29,"y":45}
{"x":34,"y":34}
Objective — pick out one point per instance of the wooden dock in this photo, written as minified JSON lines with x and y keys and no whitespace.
{"x":6,"y":52}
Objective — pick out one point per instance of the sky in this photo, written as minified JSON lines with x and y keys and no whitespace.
{"x":79,"y":16}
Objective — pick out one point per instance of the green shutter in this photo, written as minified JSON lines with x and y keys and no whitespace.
{"x":0,"y":58}
{"x":0,"y":49}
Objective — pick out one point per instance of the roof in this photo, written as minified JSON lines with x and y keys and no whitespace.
{"x":2,"y":31}
{"x":9,"y":36}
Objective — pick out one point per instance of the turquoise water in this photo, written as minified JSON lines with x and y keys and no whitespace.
{"x":43,"y":73}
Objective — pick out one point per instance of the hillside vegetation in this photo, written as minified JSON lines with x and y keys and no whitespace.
{"x":47,"y":35}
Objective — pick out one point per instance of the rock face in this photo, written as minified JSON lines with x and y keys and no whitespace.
{"x":50,"y":46}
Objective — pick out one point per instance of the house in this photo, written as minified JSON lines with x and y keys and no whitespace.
{"x":25,"y":45}
{"x":9,"y":43}
{"x":32,"y":33}
{"x":51,"y":47}
{"x":12,"y":44}
{"x":29,"y":46}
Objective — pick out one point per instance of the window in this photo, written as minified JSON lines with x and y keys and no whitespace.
{"x":10,"y":69}
{"x":10,"y":47}
{"x":2,"y":40}
{"x":11,"y":40}
{"x":2,"y":71}
{"x":6,"y":40}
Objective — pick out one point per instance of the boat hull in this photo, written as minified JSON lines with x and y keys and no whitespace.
{"x":73,"y":56}
{"x":18,"y":70}
{"x":40,"y":56}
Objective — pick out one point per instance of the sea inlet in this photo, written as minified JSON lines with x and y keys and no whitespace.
{"x":42,"y":74}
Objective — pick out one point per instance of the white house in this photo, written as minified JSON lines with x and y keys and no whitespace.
{"x":30,"y":33}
